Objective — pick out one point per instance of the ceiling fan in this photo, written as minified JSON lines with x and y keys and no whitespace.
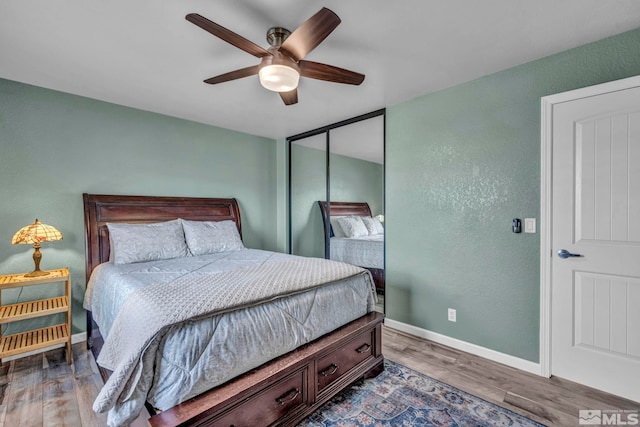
{"x":282,"y":64}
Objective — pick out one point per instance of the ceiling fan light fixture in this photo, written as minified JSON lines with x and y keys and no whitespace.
{"x":279,"y":78}
{"x":282,"y":64}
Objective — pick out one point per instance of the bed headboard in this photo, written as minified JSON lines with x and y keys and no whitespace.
{"x":345,"y":209}
{"x":100,"y":209}
{"x":340,"y":209}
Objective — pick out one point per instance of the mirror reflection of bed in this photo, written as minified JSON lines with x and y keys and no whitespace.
{"x":355,"y":236}
{"x":342,"y":162}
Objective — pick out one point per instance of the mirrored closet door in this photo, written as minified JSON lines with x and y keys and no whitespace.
{"x":336,"y":179}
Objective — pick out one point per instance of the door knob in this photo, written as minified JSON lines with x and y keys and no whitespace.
{"x":564,"y":254}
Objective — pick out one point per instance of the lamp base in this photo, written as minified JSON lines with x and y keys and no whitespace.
{"x":37,"y":256}
{"x":36,"y":273}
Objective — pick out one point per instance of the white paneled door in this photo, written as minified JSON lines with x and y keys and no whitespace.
{"x":595,"y":211}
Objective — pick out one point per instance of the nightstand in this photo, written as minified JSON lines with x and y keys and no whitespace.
{"x":23,"y":342}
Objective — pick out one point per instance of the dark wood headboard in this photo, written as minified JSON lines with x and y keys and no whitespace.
{"x":345,"y":209}
{"x":339,"y":209}
{"x":101,"y":209}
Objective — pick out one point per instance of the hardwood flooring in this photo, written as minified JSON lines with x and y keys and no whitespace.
{"x":550,"y":401}
{"x":42,"y":390}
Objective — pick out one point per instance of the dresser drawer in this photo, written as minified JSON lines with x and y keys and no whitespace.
{"x":270,"y":404}
{"x":340,"y":361}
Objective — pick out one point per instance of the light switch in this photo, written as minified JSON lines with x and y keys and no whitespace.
{"x":529,"y":225}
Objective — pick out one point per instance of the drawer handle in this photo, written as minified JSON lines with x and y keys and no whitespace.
{"x":364,"y":348}
{"x":332,"y":369}
{"x":288,"y":396}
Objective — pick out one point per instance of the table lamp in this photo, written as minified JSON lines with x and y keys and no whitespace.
{"x":36,"y":233}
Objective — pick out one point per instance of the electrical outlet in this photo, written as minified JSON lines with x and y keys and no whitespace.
{"x":452,"y":315}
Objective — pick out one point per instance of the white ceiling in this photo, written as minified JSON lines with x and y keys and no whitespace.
{"x":363,"y":140}
{"x":144,"y":54}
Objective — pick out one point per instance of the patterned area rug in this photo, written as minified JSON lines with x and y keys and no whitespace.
{"x":403,"y":397}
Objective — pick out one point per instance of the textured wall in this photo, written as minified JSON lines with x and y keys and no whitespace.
{"x":461,"y":163}
{"x":55,"y":146}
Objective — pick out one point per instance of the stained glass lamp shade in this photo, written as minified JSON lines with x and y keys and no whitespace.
{"x":35,"y":234}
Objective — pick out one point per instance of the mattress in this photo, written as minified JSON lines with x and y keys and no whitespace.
{"x":198,"y":354}
{"x":366,"y":251}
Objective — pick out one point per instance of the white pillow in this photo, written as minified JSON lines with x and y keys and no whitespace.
{"x":335,"y":226}
{"x":374,"y":226}
{"x":208,"y":237}
{"x":146,"y":242}
{"x":353,"y":226}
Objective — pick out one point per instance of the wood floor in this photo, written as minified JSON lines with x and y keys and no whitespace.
{"x":550,"y":401}
{"x":42,"y":390}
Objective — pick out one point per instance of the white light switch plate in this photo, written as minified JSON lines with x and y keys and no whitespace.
{"x":529,"y":225}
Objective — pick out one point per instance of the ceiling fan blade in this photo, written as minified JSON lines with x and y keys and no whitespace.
{"x":310,"y":34}
{"x":227,"y":35}
{"x":290,"y":97}
{"x":330,"y":73}
{"x":233,"y":75}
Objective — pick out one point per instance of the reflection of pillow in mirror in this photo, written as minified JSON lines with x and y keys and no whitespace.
{"x":208,"y":237}
{"x":353,"y":226}
{"x":146,"y":242}
{"x":374,"y":226}
{"x":335,"y":226}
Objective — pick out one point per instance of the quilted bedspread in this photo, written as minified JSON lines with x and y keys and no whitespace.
{"x":149,"y":311}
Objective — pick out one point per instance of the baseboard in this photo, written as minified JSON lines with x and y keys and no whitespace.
{"x":76,"y":338}
{"x":496,"y":356}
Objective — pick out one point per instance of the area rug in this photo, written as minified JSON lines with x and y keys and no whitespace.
{"x":400,"y":396}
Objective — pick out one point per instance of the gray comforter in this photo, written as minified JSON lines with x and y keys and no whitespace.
{"x":213,"y":309}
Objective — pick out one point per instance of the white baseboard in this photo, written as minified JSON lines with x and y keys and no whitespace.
{"x":76,"y":338}
{"x":496,"y":356}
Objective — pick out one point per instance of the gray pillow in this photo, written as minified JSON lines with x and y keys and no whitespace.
{"x":147,"y":242}
{"x":353,"y":226}
{"x":208,"y":237}
{"x":335,"y":226}
{"x":374,"y":226}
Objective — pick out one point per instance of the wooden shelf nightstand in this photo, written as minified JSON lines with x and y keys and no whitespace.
{"x":11,"y":345}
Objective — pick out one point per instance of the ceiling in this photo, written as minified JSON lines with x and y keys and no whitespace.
{"x":363,"y":140}
{"x":144,"y":54}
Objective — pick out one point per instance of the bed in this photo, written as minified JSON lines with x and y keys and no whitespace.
{"x":364,"y":251}
{"x":282,"y":390}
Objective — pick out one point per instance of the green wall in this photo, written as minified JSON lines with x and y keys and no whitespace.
{"x":352,"y":180}
{"x":461,"y":164}
{"x":308,"y":185}
{"x":55,"y":146}
{"x":356,"y":180}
